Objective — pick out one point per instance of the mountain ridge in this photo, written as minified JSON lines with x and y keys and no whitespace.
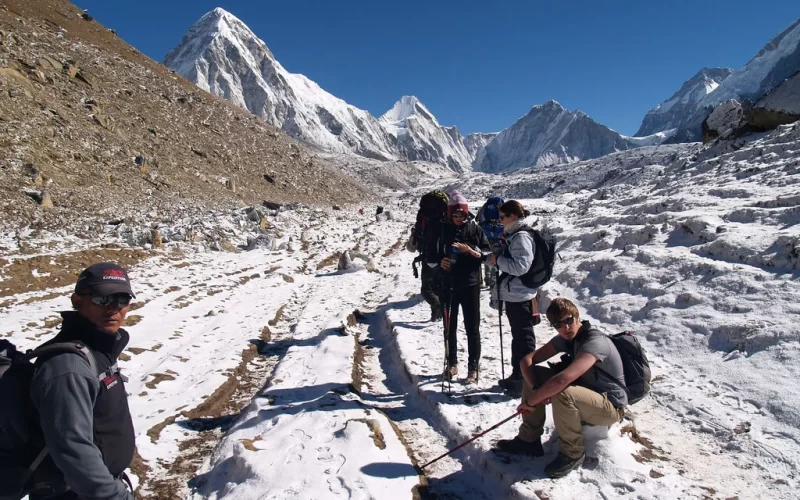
{"x":221,"y":55}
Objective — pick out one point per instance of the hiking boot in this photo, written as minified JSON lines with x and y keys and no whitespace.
{"x":436,"y":314}
{"x":563,"y":465}
{"x":511,"y":379}
{"x":450,"y":372}
{"x":512,"y":386}
{"x":517,"y":446}
{"x":472,"y":374}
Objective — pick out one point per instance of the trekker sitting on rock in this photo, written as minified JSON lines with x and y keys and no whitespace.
{"x":465,"y":246}
{"x":587,"y":387}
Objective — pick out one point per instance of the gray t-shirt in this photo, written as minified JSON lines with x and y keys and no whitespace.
{"x":601,"y":347}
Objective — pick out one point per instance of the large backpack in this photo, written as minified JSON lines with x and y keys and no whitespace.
{"x":430,"y":216}
{"x":489,"y":218}
{"x":22,"y":446}
{"x":544,"y":258}
{"x":634,"y":363}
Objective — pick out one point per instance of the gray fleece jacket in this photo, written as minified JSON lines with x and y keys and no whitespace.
{"x":64,"y":391}
{"x":520,"y":247}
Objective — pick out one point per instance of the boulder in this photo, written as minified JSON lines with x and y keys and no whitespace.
{"x":255,"y":214}
{"x":261,"y":241}
{"x":345,"y":262}
{"x":723,"y":121}
{"x":779,"y":106}
{"x":272,"y":205}
{"x":46,"y":201}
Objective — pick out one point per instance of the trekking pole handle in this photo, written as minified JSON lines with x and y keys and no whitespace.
{"x":476,"y":436}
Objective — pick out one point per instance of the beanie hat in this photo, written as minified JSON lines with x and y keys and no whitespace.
{"x":456,"y":203}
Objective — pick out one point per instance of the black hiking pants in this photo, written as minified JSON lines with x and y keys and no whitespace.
{"x":469,"y":298}
{"x":432,"y":286}
{"x":523,"y":340}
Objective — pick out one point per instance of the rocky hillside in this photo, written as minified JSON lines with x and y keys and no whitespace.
{"x":89,"y":125}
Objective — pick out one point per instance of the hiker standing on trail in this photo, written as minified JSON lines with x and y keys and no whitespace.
{"x":489,"y":220}
{"x":84,"y":415}
{"x":426,"y":238}
{"x":465,"y":247}
{"x":514,"y":260}
{"x":589,"y":386}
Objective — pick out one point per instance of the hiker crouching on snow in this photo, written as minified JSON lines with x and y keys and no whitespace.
{"x":587,"y":387}
{"x":465,"y":247}
{"x":84,"y":416}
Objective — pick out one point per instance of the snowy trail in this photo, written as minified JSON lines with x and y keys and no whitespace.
{"x":698,"y":256}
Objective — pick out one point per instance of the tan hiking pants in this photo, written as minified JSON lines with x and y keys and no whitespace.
{"x":571,"y":407}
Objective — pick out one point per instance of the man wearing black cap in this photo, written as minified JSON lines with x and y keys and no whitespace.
{"x":84,"y":416}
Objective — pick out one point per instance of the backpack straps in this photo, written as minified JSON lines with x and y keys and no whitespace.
{"x":594,"y":331}
{"x":49,"y":350}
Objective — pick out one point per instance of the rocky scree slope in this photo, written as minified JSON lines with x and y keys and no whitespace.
{"x":89,"y":125}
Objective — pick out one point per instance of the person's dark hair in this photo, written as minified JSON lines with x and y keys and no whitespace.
{"x":513,"y":207}
{"x":560,"y":307}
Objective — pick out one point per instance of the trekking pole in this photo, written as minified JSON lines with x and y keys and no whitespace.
{"x":446,"y":317}
{"x":500,"y":324}
{"x":495,"y":426}
{"x":447,"y":313}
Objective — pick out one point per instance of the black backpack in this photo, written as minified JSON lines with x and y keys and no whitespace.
{"x":22,"y":447}
{"x":431,"y":214}
{"x":544,"y":258}
{"x":635,"y":364}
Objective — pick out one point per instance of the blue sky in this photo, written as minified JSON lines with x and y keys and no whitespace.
{"x":480,"y":66}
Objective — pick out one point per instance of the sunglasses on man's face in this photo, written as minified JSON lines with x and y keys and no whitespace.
{"x":121,"y":299}
{"x":564,"y":322}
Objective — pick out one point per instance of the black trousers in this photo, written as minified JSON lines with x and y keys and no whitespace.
{"x":469,"y":298}
{"x":523,"y":340}
{"x":432,"y":286}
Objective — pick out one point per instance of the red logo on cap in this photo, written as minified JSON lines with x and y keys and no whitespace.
{"x":114,"y":274}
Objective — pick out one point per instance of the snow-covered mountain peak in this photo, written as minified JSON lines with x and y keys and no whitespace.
{"x":548,"y":134}
{"x":669,"y":114}
{"x":219,"y":12}
{"x":549,"y":105}
{"x":687,"y":108}
{"x":419,"y":135}
{"x":406,"y":107}
{"x":222,"y":55}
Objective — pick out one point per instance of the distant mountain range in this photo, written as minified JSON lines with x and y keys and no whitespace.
{"x":685,"y":111}
{"x":223,"y":56}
